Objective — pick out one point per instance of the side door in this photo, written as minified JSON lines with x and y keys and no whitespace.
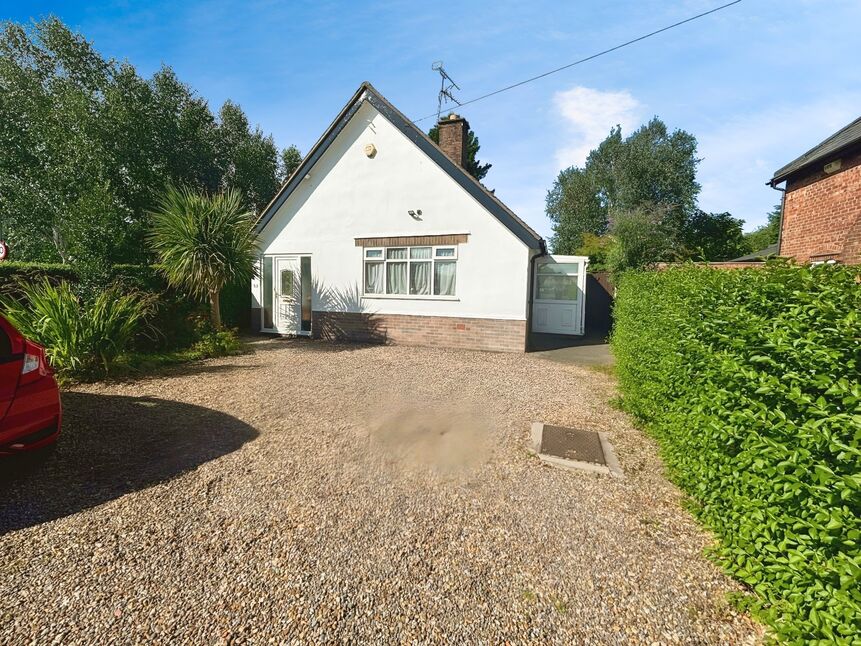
{"x":559,"y":294}
{"x":288,"y":300}
{"x":11,"y":362}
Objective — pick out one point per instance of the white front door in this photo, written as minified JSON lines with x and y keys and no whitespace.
{"x":287,"y":295}
{"x":559,"y":294}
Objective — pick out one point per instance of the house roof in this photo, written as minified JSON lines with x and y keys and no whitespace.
{"x":770,"y":250}
{"x":367,"y":92}
{"x":841,"y":139}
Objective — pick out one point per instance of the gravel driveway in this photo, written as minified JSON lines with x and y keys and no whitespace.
{"x":313,"y":492}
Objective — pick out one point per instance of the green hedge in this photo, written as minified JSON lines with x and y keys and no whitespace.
{"x":749,"y":380}
{"x":13,"y":273}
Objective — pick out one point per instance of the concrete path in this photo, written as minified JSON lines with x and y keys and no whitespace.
{"x":580,"y":351}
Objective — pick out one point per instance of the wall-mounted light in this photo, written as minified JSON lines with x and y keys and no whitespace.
{"x":370,"y":151}
{"x":415,"y":215}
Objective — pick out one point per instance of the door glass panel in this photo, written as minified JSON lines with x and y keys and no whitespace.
{"x":305,"y":274}
{"x":287,"y":284}
{"x":268,"y":323}
{"x":554,"y":287}
{"x":559,"y":268}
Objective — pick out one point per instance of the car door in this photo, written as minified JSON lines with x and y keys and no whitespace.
{"x":11,"y":359}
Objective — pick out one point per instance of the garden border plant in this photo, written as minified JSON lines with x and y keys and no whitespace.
{"x":749,"y":380}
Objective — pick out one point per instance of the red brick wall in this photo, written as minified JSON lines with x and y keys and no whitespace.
{"x":822,"y":214}
{"x":452,"y":139}
{"x":442,"y":331}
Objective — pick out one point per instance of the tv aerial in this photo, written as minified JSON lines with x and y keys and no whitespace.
{"x":447,"y":85}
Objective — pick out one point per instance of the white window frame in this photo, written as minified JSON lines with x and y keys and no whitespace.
{"x":384,"y":260}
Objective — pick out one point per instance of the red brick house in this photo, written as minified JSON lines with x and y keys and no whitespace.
{"x":822,"y":201}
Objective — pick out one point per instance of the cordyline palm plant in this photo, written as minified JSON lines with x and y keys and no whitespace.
{"x":204,"y":242}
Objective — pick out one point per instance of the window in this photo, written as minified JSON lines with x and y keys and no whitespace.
{"x":414,"y":271}
{"x":558,"y":281}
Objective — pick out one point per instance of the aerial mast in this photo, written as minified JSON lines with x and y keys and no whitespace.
{"x":447,"y":85}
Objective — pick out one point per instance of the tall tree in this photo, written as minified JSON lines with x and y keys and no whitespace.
{"x":767,"y":234}
{"x":87,"y":145}
{"x":473,"y":165}
{"x":712,"y":236}
{"x":651,"y":168}
{"x":290,"y":160}
{"x":248,"y":158}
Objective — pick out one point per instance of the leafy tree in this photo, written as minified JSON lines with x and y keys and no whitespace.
{"x":204,"y":242}
{"x":641,"y":237}
{"x":290,"y":160}
{"x":473,"y":165}
{"x":577,"y":207}
{"x":248,"y":159}
{"x":767,"y":234}
{"x":712,"y":236}
{"x":86,"y":145}
{"x":597,"y":248}
{"x":652,"y":167}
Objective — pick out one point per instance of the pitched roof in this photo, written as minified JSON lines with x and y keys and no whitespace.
{"x":841,"y":139}
{"x":770,"y":250}
{"x":367,"y":92}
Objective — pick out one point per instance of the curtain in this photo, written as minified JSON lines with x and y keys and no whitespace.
{"x":396,"y":277}
{"x":373,"y":278}
{"x":420,"y":278}
{"x":444,"y":277}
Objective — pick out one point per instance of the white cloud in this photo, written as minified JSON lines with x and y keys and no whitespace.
{"x":589,"y":115}
{"x":741,"y":154}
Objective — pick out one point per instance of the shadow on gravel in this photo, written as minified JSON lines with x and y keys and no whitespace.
{"x":110,"y":446}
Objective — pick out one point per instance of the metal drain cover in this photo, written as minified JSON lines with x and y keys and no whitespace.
{"x":573,"y":448}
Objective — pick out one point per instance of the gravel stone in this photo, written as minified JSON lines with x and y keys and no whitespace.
{"x":315,"y":492}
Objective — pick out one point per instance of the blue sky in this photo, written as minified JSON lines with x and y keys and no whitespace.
{"x":757,"y":84}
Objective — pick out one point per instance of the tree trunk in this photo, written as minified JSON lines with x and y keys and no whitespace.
{"x":215,"y":309}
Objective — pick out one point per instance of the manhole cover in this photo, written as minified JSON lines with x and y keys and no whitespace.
{"x":573,"y":448}
{"x":572,"y":444}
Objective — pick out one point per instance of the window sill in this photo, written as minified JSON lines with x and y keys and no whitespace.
{"x":409,"y":297}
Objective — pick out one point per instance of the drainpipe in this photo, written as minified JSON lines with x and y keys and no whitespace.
{"x":542,"y":251}
{"x":782,"y":209}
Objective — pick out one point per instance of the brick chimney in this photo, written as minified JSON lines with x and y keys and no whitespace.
{"x":453,"y":130}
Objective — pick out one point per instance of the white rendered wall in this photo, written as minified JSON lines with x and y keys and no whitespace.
{"x":350,"y":195}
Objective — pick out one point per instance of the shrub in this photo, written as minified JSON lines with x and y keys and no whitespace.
{"x":641,"y":237}
{"x":78,"y":339}
{"x":749,"y":380}
{"x":174,"y":317}
{"x":216,"y":344}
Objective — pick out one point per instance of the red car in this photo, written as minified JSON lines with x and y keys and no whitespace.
{"x":30,"y":411}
